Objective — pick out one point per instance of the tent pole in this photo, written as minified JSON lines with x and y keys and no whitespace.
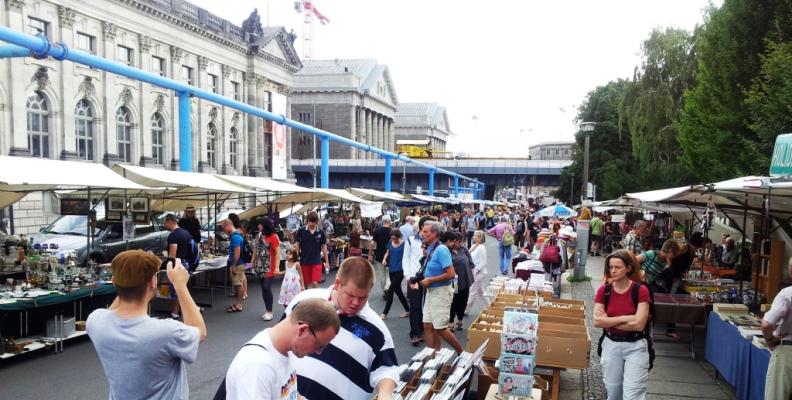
{"x":743,"y":259}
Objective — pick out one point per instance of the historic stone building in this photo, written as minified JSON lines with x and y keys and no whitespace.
{"x":352,"y":98}
{"x":63,"y":110}
{"x":552,"y":151}
{"x":423,"y":121}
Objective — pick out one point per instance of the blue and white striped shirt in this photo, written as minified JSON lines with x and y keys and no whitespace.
{"x":352,"y":365}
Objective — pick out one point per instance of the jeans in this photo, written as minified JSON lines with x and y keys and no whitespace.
{"x":266,"y":291}
{"x":625,"y":369}
{"x":459,"y":303}
{"x":396,"y":279}
{"x":416,"y":311}
{"x":477,"y":292}
{"x":505,"y":253}
{"x":469,"y":237}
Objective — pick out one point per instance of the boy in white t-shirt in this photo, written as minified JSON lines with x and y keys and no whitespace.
{"x":262,"y":369}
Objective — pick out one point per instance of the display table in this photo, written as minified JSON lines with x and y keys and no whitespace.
{"x":740,"y":363}
{"x":680,"y":309}
{"x":23,"y":304}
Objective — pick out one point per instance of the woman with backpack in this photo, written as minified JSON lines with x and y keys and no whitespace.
{"x":622,"y":309}
{"x":266,"y":261}
{"x":504,"y":232}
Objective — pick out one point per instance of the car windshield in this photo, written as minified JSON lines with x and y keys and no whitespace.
{"x":69,"y":225}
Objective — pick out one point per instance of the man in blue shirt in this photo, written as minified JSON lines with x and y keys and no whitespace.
{"x":438,"y":275}
{"x":234,"y":260}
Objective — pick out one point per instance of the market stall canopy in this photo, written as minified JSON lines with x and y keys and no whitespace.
{"x":264,"y":184}
{"x":374,"y":195}
{"x":264,"y":209}
{"x":318,"y":195}
{"x":559,"y":210}
{"x":21,"y":175}
{"x":434,"y":199}
{"x":182,"y":188}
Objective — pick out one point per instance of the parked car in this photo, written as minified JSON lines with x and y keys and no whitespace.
{"x":70,"y":233}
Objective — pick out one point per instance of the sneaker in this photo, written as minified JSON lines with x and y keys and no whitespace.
{"x":267,"y":317}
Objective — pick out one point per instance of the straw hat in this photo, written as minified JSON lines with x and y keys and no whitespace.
{"x":189,"y":208}
{"x":568,"y":232}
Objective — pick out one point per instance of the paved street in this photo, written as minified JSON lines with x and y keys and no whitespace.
{"x":77,"y":373}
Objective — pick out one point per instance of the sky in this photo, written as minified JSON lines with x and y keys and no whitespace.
{"x":511,"y":73}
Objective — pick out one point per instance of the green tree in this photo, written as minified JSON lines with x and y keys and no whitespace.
{"x":715,"y":130}
{"x":770,"y":99}
{"x":652,"y":104}
{"x":610,"y":155}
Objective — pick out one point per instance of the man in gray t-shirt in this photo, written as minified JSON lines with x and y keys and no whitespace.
{"x":144,"y":358}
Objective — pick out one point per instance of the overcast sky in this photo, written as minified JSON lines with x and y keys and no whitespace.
{"x":510,"y":73}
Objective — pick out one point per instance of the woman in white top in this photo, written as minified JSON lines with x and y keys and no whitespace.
{"x":479,"y":254}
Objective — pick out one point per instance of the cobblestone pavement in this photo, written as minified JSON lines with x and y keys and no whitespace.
{"x":591,"y":378}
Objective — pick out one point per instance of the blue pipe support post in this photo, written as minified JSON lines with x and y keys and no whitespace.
{"x":185,"y":132}
{"x":387,"y":174}
{"x":456,"y":187}
{"x":41,"y":47}
{"x":431,"y":182}
{"x":325,"y":149}
{"x":12,"y":51}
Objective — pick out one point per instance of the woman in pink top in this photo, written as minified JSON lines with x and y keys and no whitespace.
{"x":504,"y":247}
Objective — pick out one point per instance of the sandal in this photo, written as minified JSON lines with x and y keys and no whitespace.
{"x":384,"y":316}
{"x":233,"y":309}
{"x":459,"y":326}
{"x":404,"y":314}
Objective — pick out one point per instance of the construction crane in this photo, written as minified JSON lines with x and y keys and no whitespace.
{"x":309,"y":11}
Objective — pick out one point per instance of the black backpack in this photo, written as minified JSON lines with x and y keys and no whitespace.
{"x":647,"y":331}
{"x":221,"y":390}
{"x":245,"y":252}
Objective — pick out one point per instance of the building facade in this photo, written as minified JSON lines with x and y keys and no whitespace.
{"x":552,"y":151}
{"x":63,"y":110}
{"x":351,"y":98}
{"x":423,"y":121}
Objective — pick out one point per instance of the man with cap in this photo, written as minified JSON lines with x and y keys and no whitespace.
{"x":144,"y":358}
{"x":191,"y":223}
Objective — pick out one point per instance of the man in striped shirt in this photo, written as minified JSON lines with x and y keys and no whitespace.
{"x":360,"y":361}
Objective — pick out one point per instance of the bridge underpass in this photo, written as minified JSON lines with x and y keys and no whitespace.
{"x":494,"y":173}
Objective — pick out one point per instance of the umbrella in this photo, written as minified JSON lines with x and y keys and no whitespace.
{"x":559,"y":210}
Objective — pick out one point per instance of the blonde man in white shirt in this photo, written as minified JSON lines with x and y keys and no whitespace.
{"x":777,"y":331}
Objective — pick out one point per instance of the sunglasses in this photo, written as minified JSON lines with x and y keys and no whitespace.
{"x":322,"y":347}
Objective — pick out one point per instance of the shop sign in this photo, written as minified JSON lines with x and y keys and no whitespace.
{"x":781,"y":163}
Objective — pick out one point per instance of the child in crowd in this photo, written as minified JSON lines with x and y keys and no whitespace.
{"x":293,"y":282}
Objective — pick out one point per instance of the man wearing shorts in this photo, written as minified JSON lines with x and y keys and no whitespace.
{"x":311,"y":244}
{"x":438,"y":274}
{"x":234,"y":260}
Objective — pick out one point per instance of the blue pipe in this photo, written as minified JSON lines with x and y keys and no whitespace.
{"x":185,"y":132}
{"x":431,"y":182}
{"x":40,"y":46}
{"x":387,"y":174}
{"x":456,"y":187}
{"x":325,"y":148}
{"x":12,"y":50}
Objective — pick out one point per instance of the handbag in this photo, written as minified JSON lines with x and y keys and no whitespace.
{"x":551,"y":253}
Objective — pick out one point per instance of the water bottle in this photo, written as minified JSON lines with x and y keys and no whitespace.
{"x":455,"y":284}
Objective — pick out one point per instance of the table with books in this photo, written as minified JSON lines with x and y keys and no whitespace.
{"x":530,"y":339}
{"x":744,"y":364}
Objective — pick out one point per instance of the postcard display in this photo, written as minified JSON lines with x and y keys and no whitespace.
{"x":436,"y":375}
{"x":518,"y":347}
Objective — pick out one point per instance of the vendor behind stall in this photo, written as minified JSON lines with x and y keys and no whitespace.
{"x":191,"y":223}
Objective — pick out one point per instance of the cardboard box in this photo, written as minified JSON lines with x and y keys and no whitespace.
{"x":561,"y":312}
{"x":562,"y":348}
{"x":476,"y":336}
{"x":560,"y":320}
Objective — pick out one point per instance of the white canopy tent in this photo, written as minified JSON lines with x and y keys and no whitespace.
{"x":318,"y":195}
{"x":22,"y":175}
{"x":181,"y":188}
{"x":376,"y":195}
{"x":434,"y":199}
{"x":264,"y":184}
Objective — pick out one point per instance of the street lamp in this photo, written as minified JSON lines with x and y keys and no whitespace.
{"x":586,"y":128}
{"x":404,"y":173}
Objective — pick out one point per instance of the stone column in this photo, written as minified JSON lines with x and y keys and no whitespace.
{"x":201,"y":130}
{"x":250,"y":143}
{"x":352,"y":131}
{"x":146,"y":105}
{"x":369,"y":131}
{"x":111,"y":94}
{"x":228,"y":119}
{"x":380,"y":132}
{"x":18,"y":145}
{"x":172,"y":129}
{"x":68,"y":77}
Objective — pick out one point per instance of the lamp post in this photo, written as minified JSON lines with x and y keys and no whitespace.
{"x":586,"y":128}
{"x":404,"y":174}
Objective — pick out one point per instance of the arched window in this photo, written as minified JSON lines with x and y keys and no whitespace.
{"x":157,"y":129}
{"x":38,"y":125}
{"x":124,"y":134}
{"x":211,"y":145}
{"x":84,"y":129}
{"x":233,"y":143}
